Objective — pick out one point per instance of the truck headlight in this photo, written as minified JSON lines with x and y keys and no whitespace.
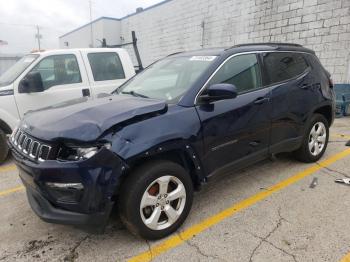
{"x":75,"y":153}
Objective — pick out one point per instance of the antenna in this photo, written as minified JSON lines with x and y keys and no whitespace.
{"x":91,"y":31}
{"x":38,"y":36}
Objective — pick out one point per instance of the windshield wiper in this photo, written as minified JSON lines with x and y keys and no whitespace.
{"x":133,"y":93}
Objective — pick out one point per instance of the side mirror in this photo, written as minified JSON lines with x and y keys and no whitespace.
{"x":31,"y":83}
{"x":218,"y":92}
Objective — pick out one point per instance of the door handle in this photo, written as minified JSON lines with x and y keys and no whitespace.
{"x":86,"y":92}
{"x":305,"y":86}
{"x":254,"y":143}
{"x":261,"y":100}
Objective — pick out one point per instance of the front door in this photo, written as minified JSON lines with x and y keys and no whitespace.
{"x":62,"y":81}
{"x":236,"y":131}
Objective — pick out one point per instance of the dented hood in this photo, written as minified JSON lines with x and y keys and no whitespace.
{"x":86,"y":119}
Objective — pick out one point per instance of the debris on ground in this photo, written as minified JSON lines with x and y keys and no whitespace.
{"x":343,"y":181}
{"x":314,"y":182}
{"x":348,"y":143}
{"x":35,"y":245}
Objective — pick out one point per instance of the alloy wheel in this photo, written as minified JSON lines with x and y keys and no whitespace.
{"x":317,"y":138}
{"x":163,"y":202}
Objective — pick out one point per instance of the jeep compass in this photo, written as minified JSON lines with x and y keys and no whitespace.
{"x":186,"y":118}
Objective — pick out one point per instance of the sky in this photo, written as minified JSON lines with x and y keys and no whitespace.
{"x":19,"y":19}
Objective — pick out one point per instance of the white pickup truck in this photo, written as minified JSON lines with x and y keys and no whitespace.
{"x":45,"y":78}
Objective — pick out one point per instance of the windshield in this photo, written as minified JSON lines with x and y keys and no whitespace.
{"x":167,"y":79}
{"x":13,"y":72}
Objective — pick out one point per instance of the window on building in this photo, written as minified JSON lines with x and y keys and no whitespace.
{"x":106,"y":66}
{"x":282,"y":66}
{"x":243,"y":71}
{"x":58,"y":70}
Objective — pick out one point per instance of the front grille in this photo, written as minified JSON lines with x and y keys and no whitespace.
{"x":29,"y":146}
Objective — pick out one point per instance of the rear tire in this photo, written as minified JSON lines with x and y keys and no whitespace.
{"x":155,"y":199}
{"x":3,"y":147}
{"x":315,"y":140}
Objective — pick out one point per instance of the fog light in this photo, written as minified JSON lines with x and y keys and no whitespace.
{"x":66,"y":193}
{"x":77,"y":186}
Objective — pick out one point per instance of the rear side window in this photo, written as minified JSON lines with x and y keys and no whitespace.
{"x":243,"y":71}
{"x":106,"y":66}
{"x":283,"y":66}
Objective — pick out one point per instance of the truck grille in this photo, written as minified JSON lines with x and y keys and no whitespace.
{"x":29,"y":146}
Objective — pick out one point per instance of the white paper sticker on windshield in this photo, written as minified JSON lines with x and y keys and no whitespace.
{"x":202,"y":58}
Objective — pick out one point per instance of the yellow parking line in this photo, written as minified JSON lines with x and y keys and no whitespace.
{"x":346,"y":258}
{"x":179,"y":239}
{"x":7,"y":168}
{"x":11,"y":190}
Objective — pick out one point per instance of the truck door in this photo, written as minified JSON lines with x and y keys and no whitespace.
{"x":107,"y":69}
{"x":62,"y":78}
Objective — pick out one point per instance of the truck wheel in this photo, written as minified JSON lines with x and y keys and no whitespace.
{"x":3,"y":147}
{"x":156,"y":199}
{"x":315,"y":140}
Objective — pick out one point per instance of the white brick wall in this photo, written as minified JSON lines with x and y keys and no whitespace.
{"x":322,"y":25}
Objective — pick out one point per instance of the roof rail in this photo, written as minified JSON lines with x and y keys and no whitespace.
{"x":175,"y":53}
{"x":267,"y":43}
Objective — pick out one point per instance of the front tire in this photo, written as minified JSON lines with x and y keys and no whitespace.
{"x":3,"y":147}
{"x":315,"y":140}
{"x":156,"y":199}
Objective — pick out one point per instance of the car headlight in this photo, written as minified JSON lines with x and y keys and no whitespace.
{"x":85,"y":153}
{"x":75,"y":153}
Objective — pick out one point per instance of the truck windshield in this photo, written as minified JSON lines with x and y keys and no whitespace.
{"x":13,"y":72}
{"x":167,"y":79}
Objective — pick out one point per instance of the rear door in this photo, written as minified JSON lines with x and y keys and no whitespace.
{"x":63,"y":79}
{"x":236,"y":131}
{"x":107,"y":69}
{"x":292,"y":87}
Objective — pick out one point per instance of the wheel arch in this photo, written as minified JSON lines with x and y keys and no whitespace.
{"x":5,"y":127}
{"x":185,"y":157}
{"x":326,"y":111}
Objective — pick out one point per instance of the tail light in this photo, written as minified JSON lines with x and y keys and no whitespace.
{"x":331,"y":84}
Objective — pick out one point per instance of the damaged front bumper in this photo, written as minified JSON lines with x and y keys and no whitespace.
{"x":72,"y":192}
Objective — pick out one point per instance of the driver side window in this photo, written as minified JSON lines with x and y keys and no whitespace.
{"x":243,"y":71}
{"x":58,"y":70}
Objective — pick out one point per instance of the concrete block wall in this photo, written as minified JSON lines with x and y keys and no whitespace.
{"x":178,"y":25}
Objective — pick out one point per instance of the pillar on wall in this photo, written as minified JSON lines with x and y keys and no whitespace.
{"x":348,"y":75}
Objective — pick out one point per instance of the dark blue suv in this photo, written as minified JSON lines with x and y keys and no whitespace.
{"x":158,"y":137}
